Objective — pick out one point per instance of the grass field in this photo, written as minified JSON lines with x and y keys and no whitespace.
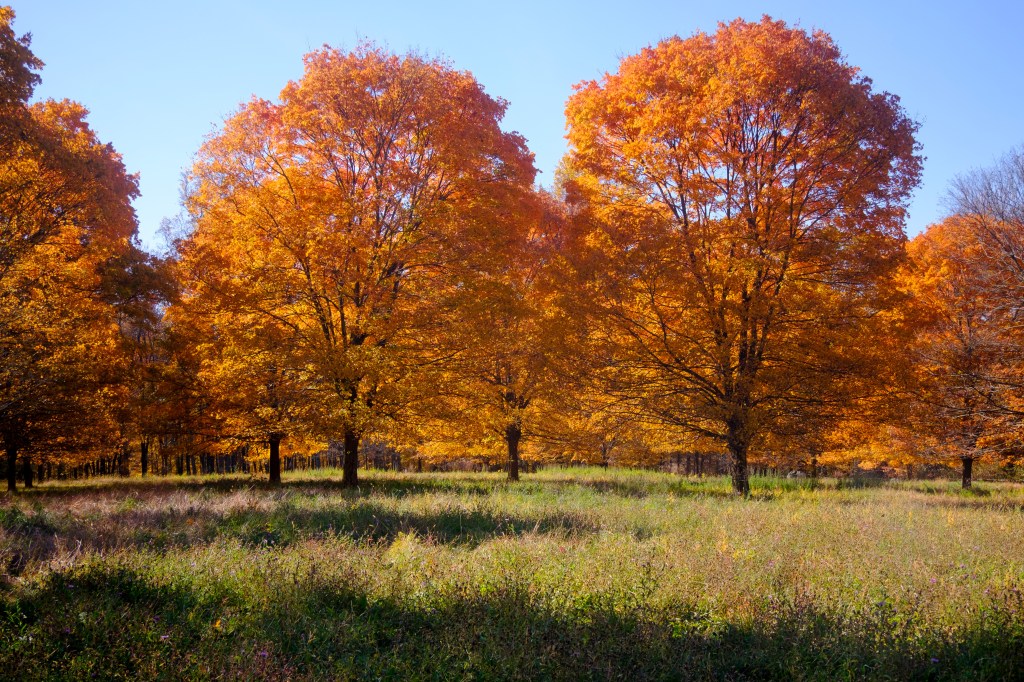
{"x":571,"y":574}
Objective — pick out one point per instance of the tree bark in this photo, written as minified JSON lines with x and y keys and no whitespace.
{"x":144,"y":456}
{"x":814,"y":467}
{"x":275,"y":459}
{"x":26,"y":470}
{"x":965,"y":481}
{"x":513,"y":434}
{"x":738,"y":446}
{"x":350,"y":463}
{"x":12,"y":468}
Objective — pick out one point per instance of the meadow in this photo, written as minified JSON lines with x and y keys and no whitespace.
{"x":569,"y":574}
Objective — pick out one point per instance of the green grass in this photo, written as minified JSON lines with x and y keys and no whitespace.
{"x":571,"y":574}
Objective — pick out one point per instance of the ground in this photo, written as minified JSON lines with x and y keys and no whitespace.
{"x":570,"y":574}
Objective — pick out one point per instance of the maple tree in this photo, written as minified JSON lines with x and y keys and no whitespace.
{"x":503,"y":331}
{"x":65,"y":216}
{"x":337,"y":216}
{"x":964,"y":350}
{"x":746,"y":192}
{"x":249,"y":396}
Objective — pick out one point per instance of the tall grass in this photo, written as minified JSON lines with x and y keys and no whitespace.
{"x":570,"y":574}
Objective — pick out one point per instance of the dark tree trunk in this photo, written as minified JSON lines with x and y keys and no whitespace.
{"x":144,"y":457}
{"x":12,"y":468}
{"x":814,"y":467}
{"x":738,"y":446}
{"x":350,"y":464}
{"x":275,"y":459}
{"x":965,"y":481}
{"x":513,"y":434}
{"x":26,"y":470}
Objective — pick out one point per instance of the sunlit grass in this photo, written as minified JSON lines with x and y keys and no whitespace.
{"x":572,"y":573}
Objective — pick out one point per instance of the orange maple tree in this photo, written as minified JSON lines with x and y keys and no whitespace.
{"x":746,"y":192}
{"x":964,"y":348}
{"x":65,"y":215}
{"x":339,"y":215}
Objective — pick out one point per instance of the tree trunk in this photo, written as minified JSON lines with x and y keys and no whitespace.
{"x":814,"y":467}
{"x":350,"y":463}
{"x":26,"y":470}
{"x":965,"y":481}
{"x":275,"y":459}
{"x":12,"y":468}
{"x":738,"y":446}
{"x":513,"y":434}
{"x":144,"y":456}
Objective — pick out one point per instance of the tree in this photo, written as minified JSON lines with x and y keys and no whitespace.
{"x":988,"y":207}
{"x":65,"y":215}
{"x":251,"y":396}
{"x":745,"y":193}
{"x":964,"y":350}
{"x":340,"y":213}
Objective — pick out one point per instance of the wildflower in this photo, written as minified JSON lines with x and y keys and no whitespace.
{"x":935,"y":660}
{"x":164,"y":638}
{"x":263,"y":653}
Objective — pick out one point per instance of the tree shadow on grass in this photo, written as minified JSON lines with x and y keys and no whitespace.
{"x":112,"y":622}
{"x":42,"y":536}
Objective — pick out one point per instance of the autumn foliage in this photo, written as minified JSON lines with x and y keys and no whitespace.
{"x":331,"y":227}
{"x":365,"y":264}
{"x":65,"y":217}
{"x":746,"y":193}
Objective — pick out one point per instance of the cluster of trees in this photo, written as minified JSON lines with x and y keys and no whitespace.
{"x":721,"y":268}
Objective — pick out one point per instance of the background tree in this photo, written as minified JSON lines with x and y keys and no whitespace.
{"x":65,"y":217}
{"x":989,"y":204}
{"x":964,"y":359}
{"x":256,"y":399}
{"x":747,"y":191}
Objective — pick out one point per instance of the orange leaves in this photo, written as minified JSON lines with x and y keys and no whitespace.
{"x":65,"y":202}
{"x":334,"y":223}
{"x":754,"y":186}
{"x":965,"y":346}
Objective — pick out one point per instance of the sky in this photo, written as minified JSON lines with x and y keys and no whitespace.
{"x":158,"y":77}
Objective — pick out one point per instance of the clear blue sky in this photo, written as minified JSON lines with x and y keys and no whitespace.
{"x":159,"y":76}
